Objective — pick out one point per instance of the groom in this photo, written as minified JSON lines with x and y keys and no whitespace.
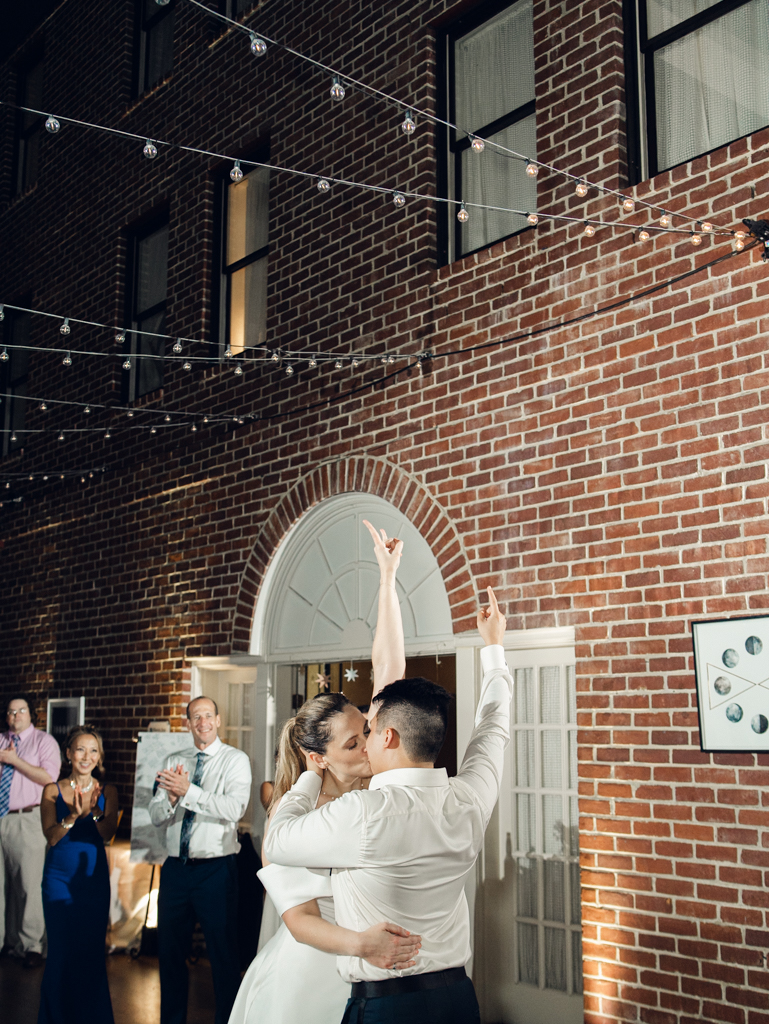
{"x":403,"y":849}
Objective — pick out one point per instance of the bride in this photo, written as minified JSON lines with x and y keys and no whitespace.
{"x":294,"y":975}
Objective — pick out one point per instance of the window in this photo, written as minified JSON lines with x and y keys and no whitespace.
{"x":146,"y":311}
{"x":486,"y":60}
{"x":699,"y":64}
{"x":233,"y":8}
{"x":243,"y":274}
{"x":13,"y":377}
{"x":29,"y":127}
{"x":155,"y":43}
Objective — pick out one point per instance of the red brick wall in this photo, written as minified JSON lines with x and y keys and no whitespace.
{"x":609,"y":475}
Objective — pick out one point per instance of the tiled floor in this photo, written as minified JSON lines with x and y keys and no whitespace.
{"x":134,"y":987}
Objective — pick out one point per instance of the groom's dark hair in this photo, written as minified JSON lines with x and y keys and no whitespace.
{"x":418,"y":711}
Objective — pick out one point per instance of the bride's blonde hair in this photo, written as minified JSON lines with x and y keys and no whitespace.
{"x":310,"y":730}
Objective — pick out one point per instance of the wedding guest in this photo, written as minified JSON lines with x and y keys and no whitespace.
{"x":78,"y":816}
{"x":29,"y":760}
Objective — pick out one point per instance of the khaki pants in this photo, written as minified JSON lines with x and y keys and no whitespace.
{"x":22,"y":858}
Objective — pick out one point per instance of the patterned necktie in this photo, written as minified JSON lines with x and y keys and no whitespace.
{"x":189,"y":816}
{"x":6,"y":777}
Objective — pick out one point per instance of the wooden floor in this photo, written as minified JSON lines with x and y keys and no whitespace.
{"x":134,"y":986}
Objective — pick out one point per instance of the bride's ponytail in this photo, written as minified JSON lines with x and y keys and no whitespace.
{"x":309,"y":730}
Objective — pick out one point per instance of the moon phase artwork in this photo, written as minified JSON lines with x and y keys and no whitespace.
{"x":731,"y":667}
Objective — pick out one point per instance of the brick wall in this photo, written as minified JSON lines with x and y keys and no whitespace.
{"x":609,"y":475}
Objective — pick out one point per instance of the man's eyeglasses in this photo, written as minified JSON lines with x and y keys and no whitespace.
{"x":21,"y":711}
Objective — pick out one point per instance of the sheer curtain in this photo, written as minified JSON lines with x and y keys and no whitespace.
{"x":709,"y":85}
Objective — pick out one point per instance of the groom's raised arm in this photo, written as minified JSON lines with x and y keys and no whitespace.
{"x":329,"y":837}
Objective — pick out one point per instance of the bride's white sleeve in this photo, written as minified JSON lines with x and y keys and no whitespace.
{"x":289,"y":887}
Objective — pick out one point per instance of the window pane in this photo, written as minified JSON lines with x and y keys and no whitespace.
{"x":573,"y":826}
{"x":528,"y":887}
{"x":552,"y":825}
{"x":528,"y":953}
{"x":552,"y":768}
{"x":573,"y":764}
{"x":233,"y":705}
{"x":705,"y":85}
{"x":159,"y":56}
{"x":149,"y":372}
{"x":248,"y":215}
{"x":576,"y":962}
{"x":525,"y":821}
{"x":524,"y":759}
{"x":554,"y":890}
{"x":664,"y":14}
{"x":494,"y":179}
{"x":571,"y":691}
{"x":524,"y":696}
{"x":494,"y":68}
{"x":248,"y":306}
{"x":555,"y":959}
{"x":152,"y":270}
{"x":576,"y":894}
{"x":550,"y":695}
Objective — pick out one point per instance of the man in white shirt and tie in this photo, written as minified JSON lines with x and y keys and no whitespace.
{"x":403,"y":849}
{"x":201,"y":794}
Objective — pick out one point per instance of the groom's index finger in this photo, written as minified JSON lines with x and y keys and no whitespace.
{"x":493,"y":606}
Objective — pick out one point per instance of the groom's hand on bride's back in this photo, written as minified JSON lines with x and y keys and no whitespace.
{"x":389,"y":946}
{"x":491,"y":621}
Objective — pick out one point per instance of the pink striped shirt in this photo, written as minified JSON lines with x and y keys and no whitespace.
{"x":39,"y":749}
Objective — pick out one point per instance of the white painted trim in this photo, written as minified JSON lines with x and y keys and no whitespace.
{"x":524,"y":639}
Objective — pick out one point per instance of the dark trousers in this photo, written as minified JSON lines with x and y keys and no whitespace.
{"x":204,"y":891}
{"x":455,"y":1004}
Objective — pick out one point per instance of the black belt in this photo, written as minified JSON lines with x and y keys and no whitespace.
{"x":24,"y":810}
{"x":410,"y":983}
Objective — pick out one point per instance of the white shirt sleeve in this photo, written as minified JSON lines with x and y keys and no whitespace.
{"x":329,"y":837}
{"x":483,"y":761}
{"x":229,"y":805}
{"x":160,"y":806}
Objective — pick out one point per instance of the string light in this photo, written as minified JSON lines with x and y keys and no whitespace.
{"x":312,"y":362}
{"x":43,"y":407}
{"x":87,"y":409}
{"x":739,"y":240}
{"x":532,"y":218}
{"x":150,"y":149}
{"x":238,"y":370}
{"x":177,"y":347}
{"x":289,"y":370}
{"x":127,"y":364}
{"x":665,"y":220}
{"x":643,"y":234}
{"x":354,"y":363}
{"x":580,"y":189}
{"x":228,"y":353}
{"x":589,"y":229}
{"x":167,"y":418}
{"x":408,"y":125}
{"x":531,"y":169}
{"x":61,"y":435}
{"x":706,"y":226}
{"x":194,"y":427}
{"x":399,"y":200}
{"x":4,"y":357}
{"x":695,"y":238}
{"x":65,"y":328}
{"x":107,"y":434}
{"x":477,"y":145}
{"x":120,"y":337}
{"x":236,"y":173}
{"x":323,"y":184}
{"x":52,"y":125}
{"x":383,"y":359}
{"x":13,"y":436}
{"x":275,"y":356}
{"x":338,"y":364}
{"x":628,"y":205}
{"x":258,"y":45}
{"x":186,"y":365}
{"x":153,"y":429}
{"x":67,"y":360}
{"x":462,"y":215}
{"x":337,"y":90}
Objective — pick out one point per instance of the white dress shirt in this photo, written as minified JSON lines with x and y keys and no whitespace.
{"x":219,"y":802}
{"x":401,"y":851}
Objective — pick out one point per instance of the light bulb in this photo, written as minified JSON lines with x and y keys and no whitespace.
{"x":739,"y":234}
{"x":120,"y":337}
{"x":238,"y":370}
{"x":65,"y":328}
{"x":87,"y":409}
{"x":275,"y":356}
{"x":477,"y":145}
{"x":4,"y":357}
{"x":51,"y":124}
{"x":337,"y":90}
{"x":323,"y":185}
{"x":194,"y":427}
{"x":665,"y":220}
{"x":61,"y":436}
{"x":312,"y":362}
{"x":167,"y":418}
{"x":127,"y":364}
{"x":643,"y":235}
{"x":178,"y":346}
{"x":531,"y":169}
{"x":695,"y":238}
{"x":43,"y":406}
{"x":186,"y":365}
{"x":107,"y":435}
{"x":31,"y":476}
{"x":409,"y":125}
{"x":707,"y":226}
{"x":153,"y":430}
{"x":354,"y":363}
{"x":258,"y":45}
{"x":205,"y":419}
{"x":130,"y":414}
{"x":228,"y":353}
{"x":289,"y":370}
{"x":67,"y":360}
{"x":399,"y":200}
{"x":2,"y":311}
{"x":13,"y":438}
{"x":390,"y":360}
{"x":739,"y":243}
{"x":462,"y":215}
{"x":589,"y":229}
{"x":338,"y":364}
{"x":150,"y":149}
{"x":383,"y":359}
{"x":581,"y":189}
{"x":532,"y":218}
{"x":236,"y":174}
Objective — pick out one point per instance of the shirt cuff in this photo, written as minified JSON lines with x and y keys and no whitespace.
{"x":308,"y":784}
{"x":493,"y":657}
{"x":191,"y":798}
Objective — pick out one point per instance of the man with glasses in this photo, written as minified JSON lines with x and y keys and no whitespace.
{"x":29,"y":760}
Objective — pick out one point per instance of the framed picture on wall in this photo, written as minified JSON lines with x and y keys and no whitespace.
{"x":731,"y":667}
{"x":63,"y":714}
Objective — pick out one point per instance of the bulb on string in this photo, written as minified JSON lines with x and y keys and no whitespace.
{"x":628,"y":205}
{"x":43,"y":407}
{"x":383,"y":359}
{"x":275,"y":356}
{"x":589,"y":229}
{"x":477,"y":145}
{"x":186,"y":365}
{"x":150,"y":149}
{"x":153,"y":429}
{"x":205,"y":419}
{"x":51,"y":124}
{"x":228,"y":353}
{"x":127,"y":364}
{"x":580,"y":189}
{"x":354,"y":363}
{"x":338,"y":364}
{"x":665,"y":220}
{"x":739,"y":240}
{"x":107,"y":435}
{"x":390,"y":360}
{"x":65,"y":328}
{"x":236,"y":173}
{"x":4,"y":357}
{"x":695,"y":239}
{"x":120,"y":337}
{"x":238,"y":370}
{"x":337,"y":90}
{"x":67,"y":360}
{"x":531,"y":169}
{"x":462,"y":215}
{"x":643,"y":235}
{"x":178,"y":347}
{"x":289,"y":370}
{"x":87,"y":409}
{"x":532,"y":218}
{"x":323,"y":185}
{"x":2,"y":311}
{"x":194,"y":427}
{"x":130,"y":414}
{"x":258,"y":45}
{"x":13,"y":438}
{"x":167,"y":418}
{"x":399,"y":200}
{"x":706,"y":225}
{"x":312,"y":362}
{"x":409,"y":125}
{"x":61,"y":436}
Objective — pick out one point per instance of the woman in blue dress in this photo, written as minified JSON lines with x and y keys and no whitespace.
{"x":78,"y":817}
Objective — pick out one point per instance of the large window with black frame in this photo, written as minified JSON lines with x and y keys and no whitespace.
{"x":232,"y":8}
{"x":244,"y":247}
{"x":486,"y":69}
{"x":29,"y":127}
{"x":146,"y":295}
{"x":699,"y":65}
{"x":155,"y":43}
{"x":14,"y":370}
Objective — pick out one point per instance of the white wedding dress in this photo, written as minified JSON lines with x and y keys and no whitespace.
{"x":289,"y":982}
